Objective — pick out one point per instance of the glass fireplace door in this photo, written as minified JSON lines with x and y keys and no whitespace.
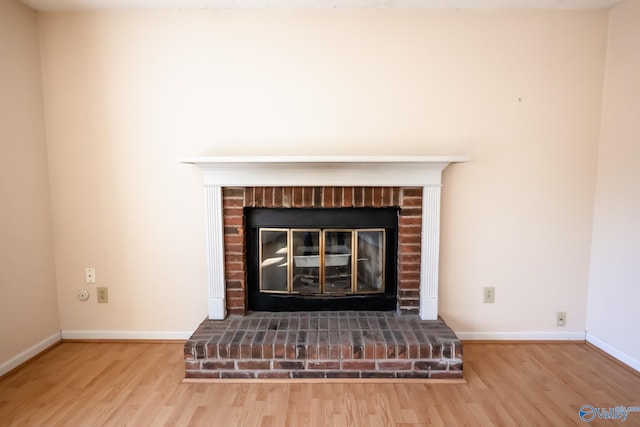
{"x":338,"y":266}
{"x":306,"y":277}
{"x":322,"y":262}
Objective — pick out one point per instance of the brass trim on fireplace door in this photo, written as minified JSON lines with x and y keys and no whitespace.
{"x":322,"y":263}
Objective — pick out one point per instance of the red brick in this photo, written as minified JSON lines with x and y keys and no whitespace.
{"x":236,"y":221}
{"x":202,"y":374}
{"x":327,"y":197}
{"x":412,"y":192}
{"x":232,"y":203}
{"x":368,"y":196}
{"x":248,"y":196}
{"x":408,"y":276}
{"x":412,"y":202}
{"x":337,"y":197}
{"x":273,"y":374}
{"x":404,"y":365}
{"x":268,"y":197}
{"x":237,"y":211}
{"x":192,"y":364}
{"x":358,"y":197}
{"x":359,"y":365}
{"x":410,"y":221}
{"x":233,"y":192}
{"x":235,"y":293}
{"x":317,"y":196}
{"x":254,"y":364}
{"x":237,"y":374}
{"x":324,"y":364}
{"x":396,"y":196}
{"x":410,"y":212}
{"x":377,"y":196}
{"x":307,"y":197}
{"x":233,"y":239}
{"x":387,"y":196}
{"x":217,"y":364}
{"x":408,"y":258}
{"x":347,"y":199}
{"x":277,"y":196}
{"x":288,"y":364}
{"x":297,"y":197}
{"x":409,"y":284}
{"x":343,"y":374}
{"x":238,"y":311}
{"x":414,"y":239}
{"x":235,"y":275}
{"x":287,"y":197}
{"x":346,"y":352}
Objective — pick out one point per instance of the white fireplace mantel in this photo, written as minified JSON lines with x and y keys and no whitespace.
{"x":366,"y":171}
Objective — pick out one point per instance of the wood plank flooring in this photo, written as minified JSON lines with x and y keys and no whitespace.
{"x":139,"y":384}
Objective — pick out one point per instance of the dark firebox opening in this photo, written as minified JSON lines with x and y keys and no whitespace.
{"x":358,"y":220}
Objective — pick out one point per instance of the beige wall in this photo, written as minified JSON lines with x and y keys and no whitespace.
{"x":614,"y":285}
{"x":128,"y":92}
{"x":28,"y":297}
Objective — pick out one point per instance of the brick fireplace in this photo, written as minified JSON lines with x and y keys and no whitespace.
{"x":412,"y":343}
{"x":408,"y":199}
{"x":411,"y":183}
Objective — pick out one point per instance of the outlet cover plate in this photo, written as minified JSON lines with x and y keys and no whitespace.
{"x":103,"y":295}
{"x":489,"y":294}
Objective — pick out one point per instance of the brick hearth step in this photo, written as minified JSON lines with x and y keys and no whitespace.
{"x":344,"y":344}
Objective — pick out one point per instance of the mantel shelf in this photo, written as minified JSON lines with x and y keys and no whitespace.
{"x":323,"y":170}
{"x":225,"y":160}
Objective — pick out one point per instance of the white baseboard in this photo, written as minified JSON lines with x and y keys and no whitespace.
{"x":522,"y":336}
{"x":29,"y":353}
{"x":614,"y":352}
{"x":126,"y":335}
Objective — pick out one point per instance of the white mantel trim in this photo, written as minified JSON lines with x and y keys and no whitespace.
{"x":370,"y":171}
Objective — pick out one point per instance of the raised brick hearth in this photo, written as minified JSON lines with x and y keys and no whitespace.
{"x":323,"y":345}
{"x":408,"y":199}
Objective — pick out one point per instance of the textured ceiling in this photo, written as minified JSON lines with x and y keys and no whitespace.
{"x":67,"y":5}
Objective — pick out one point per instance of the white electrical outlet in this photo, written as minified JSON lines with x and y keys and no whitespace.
{"x":90,"y":275}
{"x":489,"y":294}
{"x":561,"y":319}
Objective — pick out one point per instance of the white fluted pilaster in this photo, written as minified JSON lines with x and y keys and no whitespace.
{"x":430,"y":252}
{"x":215,"y":252}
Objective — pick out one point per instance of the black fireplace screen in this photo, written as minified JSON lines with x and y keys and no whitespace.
{"x":317,"y":259}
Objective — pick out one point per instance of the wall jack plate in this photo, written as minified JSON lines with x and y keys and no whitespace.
{"x":489,"y":294}
{"x":103,"y":295}
{"x":90,"y":275}
{"x":561,"y":319}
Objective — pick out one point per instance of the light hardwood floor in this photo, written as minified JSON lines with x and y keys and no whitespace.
{"x":138,"y":384}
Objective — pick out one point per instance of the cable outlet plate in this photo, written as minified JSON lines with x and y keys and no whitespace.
{"x":90,"y":275}
{"x":489,"y":294}
{"x":561,"y":319}
{"x":103,"y":295}
{"x":83,"y":295}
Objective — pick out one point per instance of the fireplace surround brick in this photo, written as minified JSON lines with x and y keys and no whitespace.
{"x":408,"y":199}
